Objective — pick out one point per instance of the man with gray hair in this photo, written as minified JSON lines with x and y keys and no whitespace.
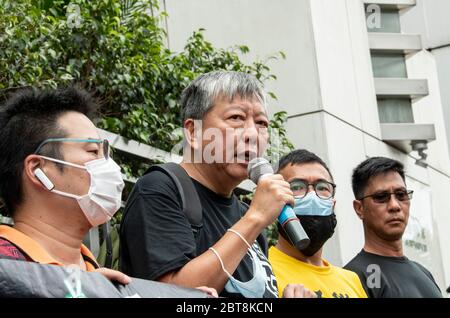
{"x":225,"y":126}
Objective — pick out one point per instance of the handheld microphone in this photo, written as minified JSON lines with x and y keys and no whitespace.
{"x":257,"y":169}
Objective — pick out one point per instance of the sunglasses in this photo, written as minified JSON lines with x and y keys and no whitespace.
{"x":385,"y":196}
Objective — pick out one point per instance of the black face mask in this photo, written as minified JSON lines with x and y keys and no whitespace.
{"x":319,"y":230}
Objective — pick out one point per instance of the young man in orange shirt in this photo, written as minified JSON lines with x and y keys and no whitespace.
{"x":56,"y":178}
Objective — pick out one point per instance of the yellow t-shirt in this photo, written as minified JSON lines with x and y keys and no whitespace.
{"x":327,"y":281}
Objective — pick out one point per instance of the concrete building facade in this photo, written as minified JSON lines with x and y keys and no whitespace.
{"x":360,"y":79}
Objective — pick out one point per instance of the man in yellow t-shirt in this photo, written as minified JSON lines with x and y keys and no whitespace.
{"x":313,"y":188}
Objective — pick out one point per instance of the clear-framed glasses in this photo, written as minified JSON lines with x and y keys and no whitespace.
{"x":103,"y":150}
{"x":324,"y":189}
{"x":385,"y":196}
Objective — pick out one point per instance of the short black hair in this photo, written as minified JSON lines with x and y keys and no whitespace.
{"x":27,"y":118}
{"x":301,"y":156}
{"x":370,"y":168}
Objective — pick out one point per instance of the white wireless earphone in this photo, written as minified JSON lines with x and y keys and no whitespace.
{"x":44,"y":179}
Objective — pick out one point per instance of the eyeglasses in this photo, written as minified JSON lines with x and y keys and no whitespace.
{"x":104,"y":151}
{"x":385,"y":196}
{"x":324,"y":189}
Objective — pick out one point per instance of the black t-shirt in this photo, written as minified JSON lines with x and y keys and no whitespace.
{"x":393,"y":277}
{"x":157,"y":238}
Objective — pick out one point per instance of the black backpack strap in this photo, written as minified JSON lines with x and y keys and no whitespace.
{"x":187,"y":193}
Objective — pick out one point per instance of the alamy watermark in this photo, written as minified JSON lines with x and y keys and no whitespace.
{"x":373,"y":16}
{"x":73,"y":14}
{"x":374,"y":278}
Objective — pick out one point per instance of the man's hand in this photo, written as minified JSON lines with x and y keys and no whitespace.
{"x":114,"y":275}
{"x":297,"y":291}
{"x":271,"y":195}
{"x":209,"y":290}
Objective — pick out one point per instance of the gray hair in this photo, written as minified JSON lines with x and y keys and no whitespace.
{"x":203,"y":92}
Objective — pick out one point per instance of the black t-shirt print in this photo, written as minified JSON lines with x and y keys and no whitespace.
{"x":398,"y":277}
{"x":157,"y":238}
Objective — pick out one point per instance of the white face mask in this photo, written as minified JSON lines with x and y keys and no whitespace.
{"x":255,"y":287}
{"x":104,"y":197}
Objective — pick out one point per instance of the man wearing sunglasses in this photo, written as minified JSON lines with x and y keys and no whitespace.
{"x":57,"y":179}
{"x":382,"y":203}
{"x":312,"y":184}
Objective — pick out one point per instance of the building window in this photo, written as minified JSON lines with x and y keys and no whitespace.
{"x":388,"y":65}
{"x":395,"y":111}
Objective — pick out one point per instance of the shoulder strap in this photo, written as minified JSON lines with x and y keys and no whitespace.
{"x":186,"y":191}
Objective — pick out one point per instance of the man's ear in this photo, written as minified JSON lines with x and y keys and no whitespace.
{"x":31,"y":164}
{"x":359,"y":209}
{"x":191,"y":132}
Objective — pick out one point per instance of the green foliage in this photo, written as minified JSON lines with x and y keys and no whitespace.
{"x":115,"y":49}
